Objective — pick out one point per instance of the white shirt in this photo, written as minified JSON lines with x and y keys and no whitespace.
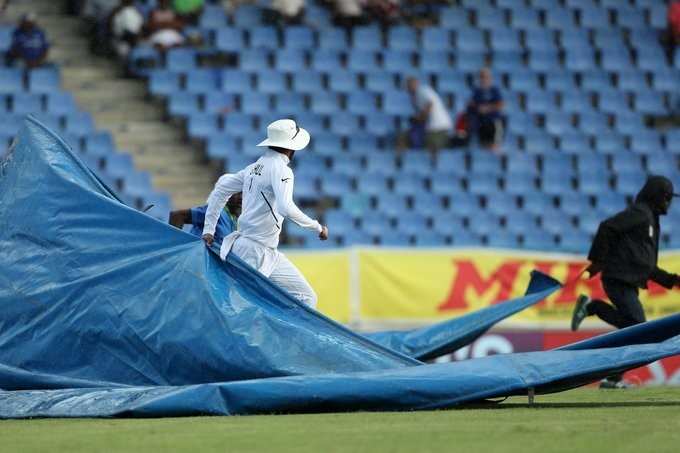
{"x":439,"y":118}
{"x":267,"y":187}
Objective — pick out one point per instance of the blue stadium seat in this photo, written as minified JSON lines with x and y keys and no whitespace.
{"x":333,"y":39}
{"x":589,"y":221}
{"x":335,"y":185}
{"x":507,"y":61}
{"x":357,"y":238}
{"x":491,"y":19}
{"x":501,"y":203}
{"x":235,"y":81}
{"x":485,"y":223}
{"x":351,"y":166}
{"x":308,"y":82}
{"x":525,"y":19}
{"x":433,"y":39}
{"x":434,"y":61}
{"x":610,"y":203}
{"x":372,"y":183}
{"x":444,"y":183}
{"x":162,"y":82}
{"x":180,"y":59}
{"x":538,"y":240}
{"x":217,"y":102}
{"x":540,"y":40}
{"x":626,"y":162}
{"x":524,"y":80}
{"x":183,"y":104}
{"x":407,"y":184}
{"x":271,"y":82}
{"x":536,"y":203}
{"x":361,"y":60}
{"x":469,"y":61}
{"x":593,"y":123}
{"x":631,"y":80}
{"x":662,"y":164}
{"x":556,"y":222}
{"x":630,"y":183}
{"x":416,"y":162}
{"x":229,"y":39}
{"x":344,"y":123}
{"x":558,"y":123}
{"x":540,"y":102}
{"x":343,"y":81}
{"x":298,"y":37}
{"x":453,"y":18}
{"x":505,"y":39}
{"x":573,"y":241}
{"x":79,"y":123}
{"x":25,"y":103}
{"x":576,"y":102}
{"x":325,"y":103}
{"x":254,"y":60}
{"x":255,"y":103}
{"x":666,"y":80}
{"x":367,"y":38}
{"x":649,"y":103}
{"x":201,"y":81}
{"x":574,"y":203}
{"x":575,"y":143}
{"x":430,"y":239}
{"x":327,"y":144}
{"x":44,"y":80}
{"x":402,"y":38}
{"x":579,"y":60}
{"x":220,"y":146}
{"x":615,"y":60}
{"x":394,"y":239}
{"x":593,"y":185}
{"x":380,"y":81}
{"x":543,"y":61}
{"x":202,"y":125}
{"x":556,"y":184}
{"x":326,"y":60}
{"x":11,"y":80}
{"x":470,"y":40}
{"x":557,"y":18}
{"x":99,"y":144}
{"x":313,"y":122}
{"x":263,"y":37}
{"x":375,"y":223}
{"x":239,"y":124}
{"x":247,"y":16}
{"x":290,"y":60}
{"x":398,"y":61}
{"x":482,"y":183}
{"x":60,"y":103}
{"x":612,"y":102}
{"x":646,"y":142}
{"x":118,"y":165}
{"x":361,"y":102}
{"x":519,"y":183}
{"x":630,"y":18}
{"x":397,"y":103}
{"x":653,"y":59}
{"x":412,"y":225}
{"x":427,"y":204}
{"x":597,"y":18}
{"x":289,"y":104}
{"x":391,"y":204}
{"x":538,"y":143}
{"x":629,"y":123}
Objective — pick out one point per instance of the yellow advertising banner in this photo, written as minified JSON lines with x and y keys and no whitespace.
{"x":329,"y":275}
{"x":422,"y":285}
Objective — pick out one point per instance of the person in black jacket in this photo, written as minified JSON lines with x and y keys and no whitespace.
{"x":625,"y":250}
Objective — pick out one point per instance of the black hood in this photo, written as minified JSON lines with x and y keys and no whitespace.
{"x":656,"y":190}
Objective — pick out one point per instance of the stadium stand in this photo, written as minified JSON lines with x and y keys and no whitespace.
{"x":580,"y":80}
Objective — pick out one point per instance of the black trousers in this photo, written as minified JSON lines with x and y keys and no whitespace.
{"x":625,"y":309}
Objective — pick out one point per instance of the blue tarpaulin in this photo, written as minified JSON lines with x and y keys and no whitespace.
{"x":107,"y":311}
{"x":448,"y":336}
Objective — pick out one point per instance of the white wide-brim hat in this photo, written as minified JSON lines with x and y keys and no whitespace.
{"x":286,"y":134}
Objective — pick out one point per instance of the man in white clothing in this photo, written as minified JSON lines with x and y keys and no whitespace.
{"x":267,"y":187}
{"x":430,"y":113}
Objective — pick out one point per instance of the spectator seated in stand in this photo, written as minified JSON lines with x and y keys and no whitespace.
{"x":349,"y":13}
{"x":384,"y":11}
{"x":29,"y":45}
{"x":287,"y":12}
{"x":165,"y":27}
{"x":125,"y":23}
{"x":487,"y":112}
{"x":431,"y":123}
{"x":188,"y":10}
{"x":672,"y":35}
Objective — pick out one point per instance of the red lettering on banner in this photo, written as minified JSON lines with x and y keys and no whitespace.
{"x":467,"y":276}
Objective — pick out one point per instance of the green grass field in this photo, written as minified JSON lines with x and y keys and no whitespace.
{"x":588,"y":420}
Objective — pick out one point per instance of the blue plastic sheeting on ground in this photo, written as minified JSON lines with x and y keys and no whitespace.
{"x":424,"y":387}
{"x":647,"y":332}
{"x":94,"y":292}
{"x":446,"y":337}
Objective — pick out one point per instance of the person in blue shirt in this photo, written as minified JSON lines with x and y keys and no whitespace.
{"x":486,"y":107}
{"x":29,"y":43}
{"x":196,"y":217}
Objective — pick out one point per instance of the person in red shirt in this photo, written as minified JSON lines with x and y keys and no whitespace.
{"x":672,"y":38}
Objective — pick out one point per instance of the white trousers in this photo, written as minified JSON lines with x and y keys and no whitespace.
{"x":277,"y":267}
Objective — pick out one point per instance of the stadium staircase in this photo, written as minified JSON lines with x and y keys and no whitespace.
{"x":119,"y":105}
